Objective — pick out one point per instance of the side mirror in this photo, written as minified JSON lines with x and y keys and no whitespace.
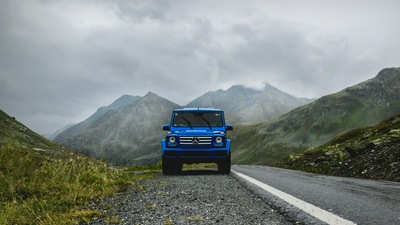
{"x":229,"y":127}
{"x":166,"y":127}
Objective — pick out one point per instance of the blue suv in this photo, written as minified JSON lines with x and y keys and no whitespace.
{"x":196,"y":135}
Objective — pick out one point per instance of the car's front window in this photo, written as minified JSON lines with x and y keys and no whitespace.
{"x":197,"y":119}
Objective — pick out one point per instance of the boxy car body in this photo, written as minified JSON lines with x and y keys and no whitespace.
{"x":196,"y":135}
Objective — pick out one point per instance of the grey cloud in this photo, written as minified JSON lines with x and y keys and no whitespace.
{"x":282,"y":55}
{"x":61,"y":60}
{"x":139,"y":10}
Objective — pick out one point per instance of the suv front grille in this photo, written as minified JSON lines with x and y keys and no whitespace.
{"x":195,"y":140}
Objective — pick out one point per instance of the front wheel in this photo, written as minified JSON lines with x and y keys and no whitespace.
{"x":225,"y":166}
{"x":170,"y":166}
{"x":166,"y":166}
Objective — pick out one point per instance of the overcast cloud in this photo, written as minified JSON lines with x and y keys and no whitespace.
{"x":61,"y":60}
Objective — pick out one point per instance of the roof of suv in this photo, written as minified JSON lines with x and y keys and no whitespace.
{"x":197,"y":109}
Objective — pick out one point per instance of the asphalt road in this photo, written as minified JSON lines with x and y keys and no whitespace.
{"x":357,"y":201}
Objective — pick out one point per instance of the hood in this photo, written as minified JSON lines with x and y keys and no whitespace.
{"x":198,"y":131}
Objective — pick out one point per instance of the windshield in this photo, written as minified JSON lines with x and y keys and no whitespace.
{"x":197,"y":119}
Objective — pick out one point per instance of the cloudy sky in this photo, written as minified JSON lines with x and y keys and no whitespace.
{"x":61,"y":60}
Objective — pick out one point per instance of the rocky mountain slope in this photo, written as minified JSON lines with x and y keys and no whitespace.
{"x":122,"y":134}
{"x":244,"y":105}
{"x":372,"y":152}
{"x":59,"y":131}
{"x":313,"y":124}
{"x":124,"y":100}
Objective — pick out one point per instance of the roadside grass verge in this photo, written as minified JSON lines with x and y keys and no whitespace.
{"x":55,"y":186}
{"x":199,"y":166}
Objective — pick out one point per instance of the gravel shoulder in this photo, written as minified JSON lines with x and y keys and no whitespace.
{"x":193,"y":197}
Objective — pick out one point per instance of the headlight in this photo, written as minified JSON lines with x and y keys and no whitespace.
{"x":218,"y":140}
{"x":172,"y":140}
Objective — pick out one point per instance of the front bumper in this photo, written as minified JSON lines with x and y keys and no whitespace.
{"x":197,"y":154}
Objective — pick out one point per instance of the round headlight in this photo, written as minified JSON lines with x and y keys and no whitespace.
{"x":218,"y":140}
{"x":172,"y":140}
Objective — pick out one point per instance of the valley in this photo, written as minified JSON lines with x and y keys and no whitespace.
{"x":128,"y":131}
{"x":270,"y":125}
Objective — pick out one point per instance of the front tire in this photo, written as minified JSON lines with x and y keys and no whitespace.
{"x":225,"y":166}
{"x":170,"y":166}
{"x":166,"y":166}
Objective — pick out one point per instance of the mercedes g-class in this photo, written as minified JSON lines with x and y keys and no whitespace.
{"x":196,"y":135}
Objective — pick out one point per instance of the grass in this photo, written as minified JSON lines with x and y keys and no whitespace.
{"x":44,"y":183}
{"x":199,"y":166}
{"x":40,"y":188}
{"x":169,"y":221}
{"x":197,"y":218}
{"x":150,"y":206}
{"x":372,"y":149}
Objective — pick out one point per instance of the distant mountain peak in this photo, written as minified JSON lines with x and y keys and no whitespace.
{"x":240,"y":88}
{"x":389,"y":72}
{"x":237,"y":86}
{"x":245,"y":105}
{"x":125,"y":96}
{"x":150,"y":94}
{"x":122,"y":101}
{"x":264,"y":86}
{"x":124,"y":136}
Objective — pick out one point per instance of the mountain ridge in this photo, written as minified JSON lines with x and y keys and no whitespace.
{"x":87,"y":123}
{"x":244,"y":105}
{"x":106,"y":135}
{"x":126,"y":135}
{"x":264,"y":143}
{"x":360,"y":105}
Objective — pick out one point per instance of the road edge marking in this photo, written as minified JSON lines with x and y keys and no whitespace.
{"x":309,"y":208}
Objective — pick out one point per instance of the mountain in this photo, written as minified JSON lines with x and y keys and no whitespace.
{"x":59,"y":131}
{"x":128,"y":131}
{"x":371,"y":152}
{"x":244,"y":105}
{"x":313,"y":124}
{"x":124,"y":100}
{"x":123,"y":135}
{"x":12,"y":131}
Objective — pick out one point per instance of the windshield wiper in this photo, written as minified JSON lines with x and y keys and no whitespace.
{"x":188,"y":122}
{"x":208,"y":123}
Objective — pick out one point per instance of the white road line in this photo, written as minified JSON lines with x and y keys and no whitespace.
{"x":313,"y":210}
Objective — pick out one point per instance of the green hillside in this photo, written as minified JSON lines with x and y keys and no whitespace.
{"x":44,"y":183}
{"x":372,"y":152}
{"x":316,"y":123}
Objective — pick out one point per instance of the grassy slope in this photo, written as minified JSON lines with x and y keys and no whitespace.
{"x":316,"y":123}
{"x":250,"y":145}
{"x":44,"y":183}
{"x":372,"y":152}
